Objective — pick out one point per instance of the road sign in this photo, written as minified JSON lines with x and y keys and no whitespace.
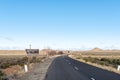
{"x":32,"y":51}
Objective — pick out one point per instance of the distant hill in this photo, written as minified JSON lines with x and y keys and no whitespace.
{"x":96,"y":49}
{"x":101,"y":50}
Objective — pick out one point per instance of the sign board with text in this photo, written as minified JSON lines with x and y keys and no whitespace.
{"x":32,"y":51}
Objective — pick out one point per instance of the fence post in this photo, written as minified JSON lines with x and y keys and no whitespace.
{"x":118,"y":68}
{"x":26,"y":68}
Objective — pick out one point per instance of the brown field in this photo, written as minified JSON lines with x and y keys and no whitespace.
{"x":12,"y":52}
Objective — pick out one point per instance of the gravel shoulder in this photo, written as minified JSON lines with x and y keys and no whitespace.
{"x":39,"y":71}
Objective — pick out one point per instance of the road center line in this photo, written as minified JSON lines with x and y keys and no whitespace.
{"x":92,"y":79}
{"x":76,"y":68}
{"x":67,"y":60}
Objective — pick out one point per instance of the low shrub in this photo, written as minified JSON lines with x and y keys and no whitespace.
{"x":60,"y":53}
{"x":2,"y":76}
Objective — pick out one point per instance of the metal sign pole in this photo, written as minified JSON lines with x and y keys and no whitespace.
{"x":31,"y":52}
{"x":29,"y":58}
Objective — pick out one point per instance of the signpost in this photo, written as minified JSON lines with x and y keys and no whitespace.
{"x":30,"y":53}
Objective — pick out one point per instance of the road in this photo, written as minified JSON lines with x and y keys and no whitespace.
{"x":65,"y":68}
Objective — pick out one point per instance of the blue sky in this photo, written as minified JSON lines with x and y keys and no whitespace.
{"x":60,"y":24}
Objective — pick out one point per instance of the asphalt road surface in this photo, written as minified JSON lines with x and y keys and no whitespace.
{"x":65,"y":68}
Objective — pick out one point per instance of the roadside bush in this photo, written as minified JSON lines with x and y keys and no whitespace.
{"x":5,"y":65}
{"x":90,"y":59}
{"x":22,"y":61}
{"x":60,"y":53}
{"x":2,"y":75}
{"x":78,"y":57}
{"x":116,"y":61}
{"x":52,"y":52}
{"x":34,"y":60}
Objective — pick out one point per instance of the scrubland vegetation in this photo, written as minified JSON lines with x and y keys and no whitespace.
{"x":109,"y":60}
{"x":1,"y":75}
{"x":8,"y":61}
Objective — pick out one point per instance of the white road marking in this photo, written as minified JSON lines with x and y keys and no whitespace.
{"x":92,"y":79}
{"x":76,"y":68}
{"x":67,"y":60}
{"x":69,"y":63}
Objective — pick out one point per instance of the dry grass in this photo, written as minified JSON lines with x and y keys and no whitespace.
{"x":12,"y":52}
{"x":98,"y":55}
